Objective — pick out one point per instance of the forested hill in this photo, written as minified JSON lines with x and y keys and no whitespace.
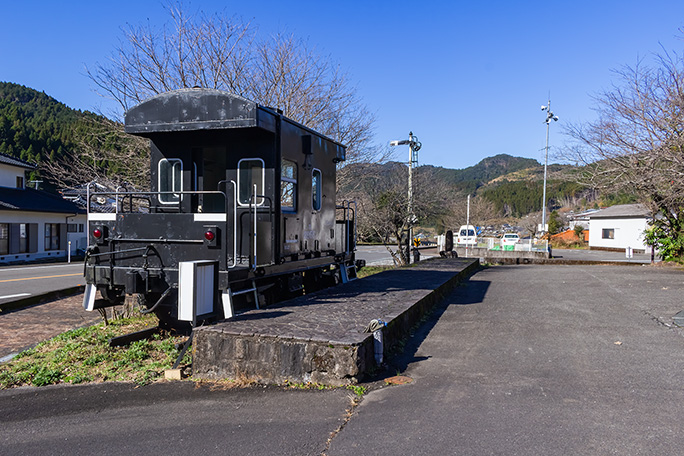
{"x":486,"y":170}
{"x":36,"y":127}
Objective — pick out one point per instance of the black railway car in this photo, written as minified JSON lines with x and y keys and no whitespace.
{"x":241,"y":211}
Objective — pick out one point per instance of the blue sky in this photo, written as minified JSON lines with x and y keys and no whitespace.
{"x":468,"y":78}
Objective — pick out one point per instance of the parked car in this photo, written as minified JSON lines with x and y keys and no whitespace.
{"x":466,"y":235}
{"x":508,"y":240}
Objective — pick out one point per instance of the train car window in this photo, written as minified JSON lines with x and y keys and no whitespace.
{"x":316,"y":189}
{"x":250,"y":172}
{"x":288,"y":185}
{"x":170,"y":175}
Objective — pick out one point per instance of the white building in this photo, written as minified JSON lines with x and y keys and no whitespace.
{"x":34,"y":224}
{"x":619,"y":227}
{"x":581,"y":219}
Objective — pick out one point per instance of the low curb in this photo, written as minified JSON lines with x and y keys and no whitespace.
{"x":40,"y":298}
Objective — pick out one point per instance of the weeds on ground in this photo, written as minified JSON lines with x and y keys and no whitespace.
{"x":565,"y":244}
{"x":306,"y":385}
{"x":370,"y":270}
{"x":84,"y":355}
{"x":357,"y":389}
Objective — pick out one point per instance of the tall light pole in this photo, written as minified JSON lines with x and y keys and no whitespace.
{"x":549,"y":117}
{"x":414,"y":147}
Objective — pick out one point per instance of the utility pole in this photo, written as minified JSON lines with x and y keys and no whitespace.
{"x":414,"y":147}
{"x":467,"y":225}
{"x":549,"y":117}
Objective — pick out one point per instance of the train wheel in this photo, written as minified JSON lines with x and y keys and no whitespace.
{"x":314,"y":281}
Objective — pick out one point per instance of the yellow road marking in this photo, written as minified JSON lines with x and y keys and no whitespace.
{"x":44,"y":277}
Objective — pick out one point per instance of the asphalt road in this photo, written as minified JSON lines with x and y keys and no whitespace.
{"x":18,"y":282}
{"x":377,"y":255}
{"x":521,"y":360}
{"x":538,"y":360}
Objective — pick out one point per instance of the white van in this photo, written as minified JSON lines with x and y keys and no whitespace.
{"x":466,"y":235}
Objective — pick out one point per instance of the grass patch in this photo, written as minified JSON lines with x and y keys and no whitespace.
{"x":83,"y":355}
{"x":370,"y":270}
{"x":357,"y":389}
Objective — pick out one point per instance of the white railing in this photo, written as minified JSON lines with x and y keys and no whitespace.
{"x":490,"y":243}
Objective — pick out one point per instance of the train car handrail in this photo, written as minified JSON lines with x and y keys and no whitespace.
{"x":118,"y":193}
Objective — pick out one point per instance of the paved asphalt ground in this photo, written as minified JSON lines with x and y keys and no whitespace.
{"x":520,"y":360}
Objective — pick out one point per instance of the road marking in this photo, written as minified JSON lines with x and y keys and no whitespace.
{"x":42,"y":267}
{"x":44,"y":277}
{"x":15,"y":295}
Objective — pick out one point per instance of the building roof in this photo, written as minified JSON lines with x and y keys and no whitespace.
{"x":584,"y":215}
{"x":9,"y":160}
{"x":28,"y":199}
{"x":623,"y":211}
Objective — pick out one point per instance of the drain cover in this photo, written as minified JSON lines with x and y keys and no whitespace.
{"x":400,"y":379}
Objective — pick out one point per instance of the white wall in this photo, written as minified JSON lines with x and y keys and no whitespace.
{"x":79,"y":240}
{"x":8,"y":175}
{"x":629,"y":232}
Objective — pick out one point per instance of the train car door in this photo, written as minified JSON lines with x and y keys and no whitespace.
{"x":209,"y":167}
{"x":251,"y":180}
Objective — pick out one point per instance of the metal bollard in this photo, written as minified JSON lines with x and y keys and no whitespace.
{"x":376,"y":326}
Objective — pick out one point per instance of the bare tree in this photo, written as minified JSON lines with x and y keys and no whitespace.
{"x":636,"y":145}
{"x":482,"y":211}
{"x":384,"y":211}
{"x":105,"y":154}
{"x":225,"y":53}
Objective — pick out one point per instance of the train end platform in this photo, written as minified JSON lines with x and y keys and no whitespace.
{"x":325,"y":337}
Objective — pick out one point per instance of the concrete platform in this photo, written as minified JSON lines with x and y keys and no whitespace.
{"x":320,"y":337}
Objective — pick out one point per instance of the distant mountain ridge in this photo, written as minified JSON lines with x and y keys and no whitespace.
{"x":486,"y":170}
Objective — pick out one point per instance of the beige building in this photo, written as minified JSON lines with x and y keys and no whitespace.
{"x":35,"y":225}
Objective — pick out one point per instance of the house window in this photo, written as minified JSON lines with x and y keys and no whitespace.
{"x":316,"y":188}
{"x":4,"y":238}
{"x":72,"y":228}
{"x":170,"y":179}
{"x":288,"y":185}
{"x":23,"y":238}
{"x":20,"y":182}
{"x":608,"y":233}
{"x":80,"y":227}
{"x":250,"y":173}
{"x":52,"y":236}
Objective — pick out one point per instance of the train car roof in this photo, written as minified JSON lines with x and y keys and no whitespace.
{"x":201,"y":109}
{"x":191,"y":109}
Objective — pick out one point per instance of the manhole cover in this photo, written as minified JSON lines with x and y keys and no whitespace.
{"x":398,"y":380}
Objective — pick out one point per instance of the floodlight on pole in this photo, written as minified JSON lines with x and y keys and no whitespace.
{"x":549,"y":117}
{"x":414,"y":147}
